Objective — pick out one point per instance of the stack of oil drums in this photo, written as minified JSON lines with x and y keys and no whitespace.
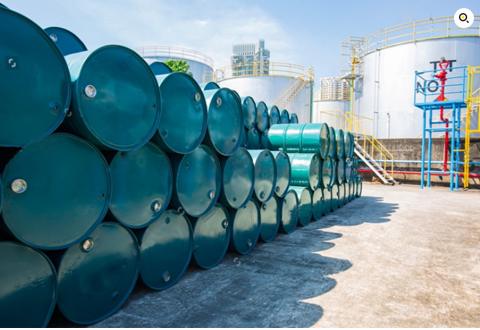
{"x":115,"y":169}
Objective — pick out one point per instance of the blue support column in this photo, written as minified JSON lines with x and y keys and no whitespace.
{"x":422,"y":179}
{"x":452,"y":148}
{"x":429,"y":166}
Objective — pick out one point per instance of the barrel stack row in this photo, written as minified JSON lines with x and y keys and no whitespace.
{"x":115,"y":169}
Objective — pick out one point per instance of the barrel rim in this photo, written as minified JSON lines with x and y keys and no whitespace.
{"x":252,"y":188}
{"x":232,"y":237}
{"x":80,"y":42}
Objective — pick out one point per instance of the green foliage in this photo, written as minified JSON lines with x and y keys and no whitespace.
{"x":178,"y":66}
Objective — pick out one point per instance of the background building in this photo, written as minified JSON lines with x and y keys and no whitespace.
{"x":244,"y":56}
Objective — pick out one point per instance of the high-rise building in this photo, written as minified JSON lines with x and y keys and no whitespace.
{"x":248,"y":58}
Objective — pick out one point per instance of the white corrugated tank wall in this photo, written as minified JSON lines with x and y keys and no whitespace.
{"x":319,"y":106}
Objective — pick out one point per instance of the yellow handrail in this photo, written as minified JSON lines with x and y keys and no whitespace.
{"x":283,"y":100}
{"x":256,"y":69}
{"x":175,"y":52}
{"x":473,"y":97}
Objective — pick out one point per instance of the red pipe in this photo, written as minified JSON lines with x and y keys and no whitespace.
{"x":443,"y":77}
{"x":420,"y":173}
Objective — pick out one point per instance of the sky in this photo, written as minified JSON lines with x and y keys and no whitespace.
{"x":302,"y":32}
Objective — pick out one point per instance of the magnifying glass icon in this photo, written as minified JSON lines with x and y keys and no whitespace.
{"x":463,"y":17}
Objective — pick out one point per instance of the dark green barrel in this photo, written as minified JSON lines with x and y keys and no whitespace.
{"x":211,"y":237}
{"x":289,"y":215}
{"x":284,"y":170}
{"x":326,"y":175}
{"x":305,"y":170}
{"x":264,"y":140}
{"x":270,"y":213}
{"x":249,"y":112}
{"x":142,"y":184}
{"x":350,"y":190}
{"x":340,"y":175}
{"x":238,"y":96}
{"x":209,"y":86}
{"x":345,"y":193}
{"x":225,"y":121}
{"x":265,"y":174}
{"x":284,"y":117}
{"x":335,"y":171}
{"x":315,"y":138}
{"x":66,"y":41}
{"x":304,"y":205}
{"x":359,"y":183}
{"x":57,"y":191}
{"x":348,"y":169}
{"x":339,"y":136}
{"x":335,"y":201}
{"x":183,"y":124}
{"x":28,"y":287}
{"x":238,"y":178}
{"x":244,"y":228}
{"x":116,"y":101}
{"x":197,"y":181}
{"x":244,"y":143}
{"x":253,"y":139}
{"x":273,"y":116}
{"x":332,"y":149}
{"x":293,"y":118}
{"x":319,"y":203}
{"x":327,"y":200}
{"x":341,"y":195}
{"x":96,"y":276}
{"x":165,"y":250}
{"x":349,"y":144}
{"x":1,"y":194}
{"x":262,"y":116}
{"x":158,"y":68}
{"x":2,"y":5}
{"x":35,"y":89}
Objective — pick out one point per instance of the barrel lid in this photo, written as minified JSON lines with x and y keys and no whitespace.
{"x":359,"y":186}
{"x":269,"y":219}
{"x":348,"y":169}
{"x":209,"y":86}
{"x":158,"y":68}
{"x":1,"y":194}
{"x":96,"y":276}
{"x":2,"y":5}
{"x":304,"y":204}
{"x":245,"y":228}
{"x":293,"y":118}
{"x":238,"y":179}
{"x":29,"y":287}
{"x":66,"y":41}
{"x":35,"y":85}
{"x":327,"y":201}
{"x":319,"y":203}
{"x":340,"y":171}
{"x":57,"y":191}
{"x":314,"y":172}
{"x":166,"y":249}
{"x":142,"y":183}
{"x":273,"y":116}
{"x":335,"y":197}
{"x":237,"y":95}
{"x":340,"y":143}
{"x":283,"y":173}
{"x":265,"y":174}
{"x":262,"y":116}
{"x":332,"y":149}
{"x":253,"y":138}
{"x":181,"y":134}
{"x":211,"y":237}
{"x":341,"y":195}
{"x":284,"y":117}
{"x":289,"y":219}
{"x":264,"y":143}
{"x":249,"y":112}
{"x":116,"y":100}
{"x":327,"y":175}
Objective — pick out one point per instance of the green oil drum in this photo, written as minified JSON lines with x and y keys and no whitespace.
{"x":326,"y":176}
{"x":35,"y":84}
{"x":293,"y":118}
{"x":265,"y":174}
{"x":305,"y":170}
{"x":332,"y":149}
{"x":244,"y":228}
{"x":348,"y":169}
{"x":340,"y":175}
{"x":334,"y":172}
{"x":339,"y":136}
{"x":244,"y":143}
{"x":270,"y":213}
{"x":341,"y":195}
{"x":315,"y":138}
{"x":273,"y":116}
{"x":290,"y":137}
{"x":181,"y":96}
{"x":249,"y":112}
{"x":350,"y":190}
{"x":1,"y":194}
{"x":2,"y":5}
{"x":289,"y":216}
{"x":284,"y":170}
{"x":209,"y":86}
{"x":28,"y":288}
{"x":238,"y":178}
{"x":57,"y":190}
{"x":318,"y":203}
{"x":304,"y":205}
{"x":275,"y":137}
{"x":262,"y":116}
{"x":348,"y":137}
{"x":97,"y":275}
{"x":142,"y":184}
{"x":197,"y":181}
{"x":253,"y":139}
{"x":225,"y":121}
{"x":335,"y":197}
{"x":327,"y":200}
{"x":284,"y":117}
{"x":264,"y":140}
{"x":359,"y":186}
{"x":345,"y":193}
{"x":158,"y":68}
{"x":165,"y":250}
{"x":211,"y":237}
{"x":66,"y":41}
{"x":116,"y":101}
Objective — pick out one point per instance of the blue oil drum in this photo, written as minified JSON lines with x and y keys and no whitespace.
{"x":284,"y":117}
{"x":209,"y":86}
{"x":332,"y":149}
{"x":348,"y":169}
{"x":334,"y":171}
{"x":265,"y":174}
{"x":293,"y":118}
{"x":158,"y":68}
{"x":264,"y":140}
{"x":335,"y":197}
{"x":142,"y":184}
{"x":351,"y":193}
{"x":35,"y":83}
{"x":270,"y":213}
{"x":359,"y":184}
{"x":284,"y":170}
{"x":273,"y":116}
{"x":28,"y":287}
{"x":349,"y":144}
{"x":289,"y":215}
{"x":327,"y":201}
{"x":341,"y":195}
{"x":262,"y":116}
{"x":318,"y":203}
{"x":249,"y":112}
{"x":1,"y":195}
{"x":345,"y":193}
{"x":66,"y":41}
{"x":181,"y":96}
{"x":244,"y":143}
{"x":304,"y":205}
{"x":305,"y":170}
{"x":237,"y":95}
{"x":116,"y":100}
{"x":57,"y":192}
{"x":326,"y":175}
{"x":340,"y":175}
{"x":165,"y":250}
{"x":244,"y":228}
{"x":253,"y":139}
{"x":211,"y":237}
{"x":339,"y":136}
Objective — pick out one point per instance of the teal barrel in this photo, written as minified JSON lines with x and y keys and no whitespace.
{"x":293,"y":118}
{"x":284,"y":170}
{"x":340,"y":175}
{"x":359,"y":183}
{"x":315,"y":138}
{"x":244,"y":143}
{"x":196,"y":181}
{"x":265,"y":174}
{"x":341,"y":195}
{"x":339,"y":136}
{"x":350,"y":190}
{"x":355,"y":187}
{"x":318,"y":203}
{"x":332,"y":149}
{"x":142,"y":184}
{"x":334,"y":172}
{"x":57,"y":191}
{"x":1,"y":194}
{"x":35,"y":88}
{"x":291,"y":137}
{"x":262,"y":116}
{"x":335,"y":201}
{"x":244,"y":228}
{"x":349,"y":144}
{"x":253,"y":139}
{"x":327,"y":200}
{"x":28,"y":288}
{"x":273,"y":116}
{"x":238,"y":179}
{"x":345,"y":193}
{"x":237,"y":95}
{"x":289,"y":215}
{"x":348,"y":169}
{"x":326,"y":175}
{"x":211,"y":237}
{"x":304,"y":205}
{"x":2,"y":5}
{"x":284,"y":117}
{"x":209,"y":86}
{"x":270,"y":213}
{"x":66,"y":41}
{"x":96,"y":276}
{"x":249,"y":112}
{"x":264,"y":140}
{"x":183,"y":124}
{"x":305,"y":170}
{"x":165,"y":250}
{"x":158,"y":68}
{"x":225,"y":121}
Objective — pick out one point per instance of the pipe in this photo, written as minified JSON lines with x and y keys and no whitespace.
{"x":443,"y":77}
{"x":420,"y":173}
{"x":312,"y":84}
{"x":417,"y":161}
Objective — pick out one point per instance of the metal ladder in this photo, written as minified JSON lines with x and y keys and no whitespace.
{"x":373,"y":165}
{"x":291,"y":93}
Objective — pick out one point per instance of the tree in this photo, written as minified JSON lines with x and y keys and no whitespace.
{"x":178,"y":66}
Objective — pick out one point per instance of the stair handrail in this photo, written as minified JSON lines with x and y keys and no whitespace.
{"x":302,"y":81}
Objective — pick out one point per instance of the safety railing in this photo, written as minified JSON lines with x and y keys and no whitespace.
{"x":337,"y":119}
{"x":175,"y":52}
{"x":283,"y":100}
{"x":473,"y":102}
{"x":255,"y":69}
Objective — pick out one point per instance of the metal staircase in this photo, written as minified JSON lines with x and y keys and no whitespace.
{"x":373,"y":165}
{"x":292,"y":92}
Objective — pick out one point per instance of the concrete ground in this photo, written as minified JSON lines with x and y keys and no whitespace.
{"x":396,"y":257}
